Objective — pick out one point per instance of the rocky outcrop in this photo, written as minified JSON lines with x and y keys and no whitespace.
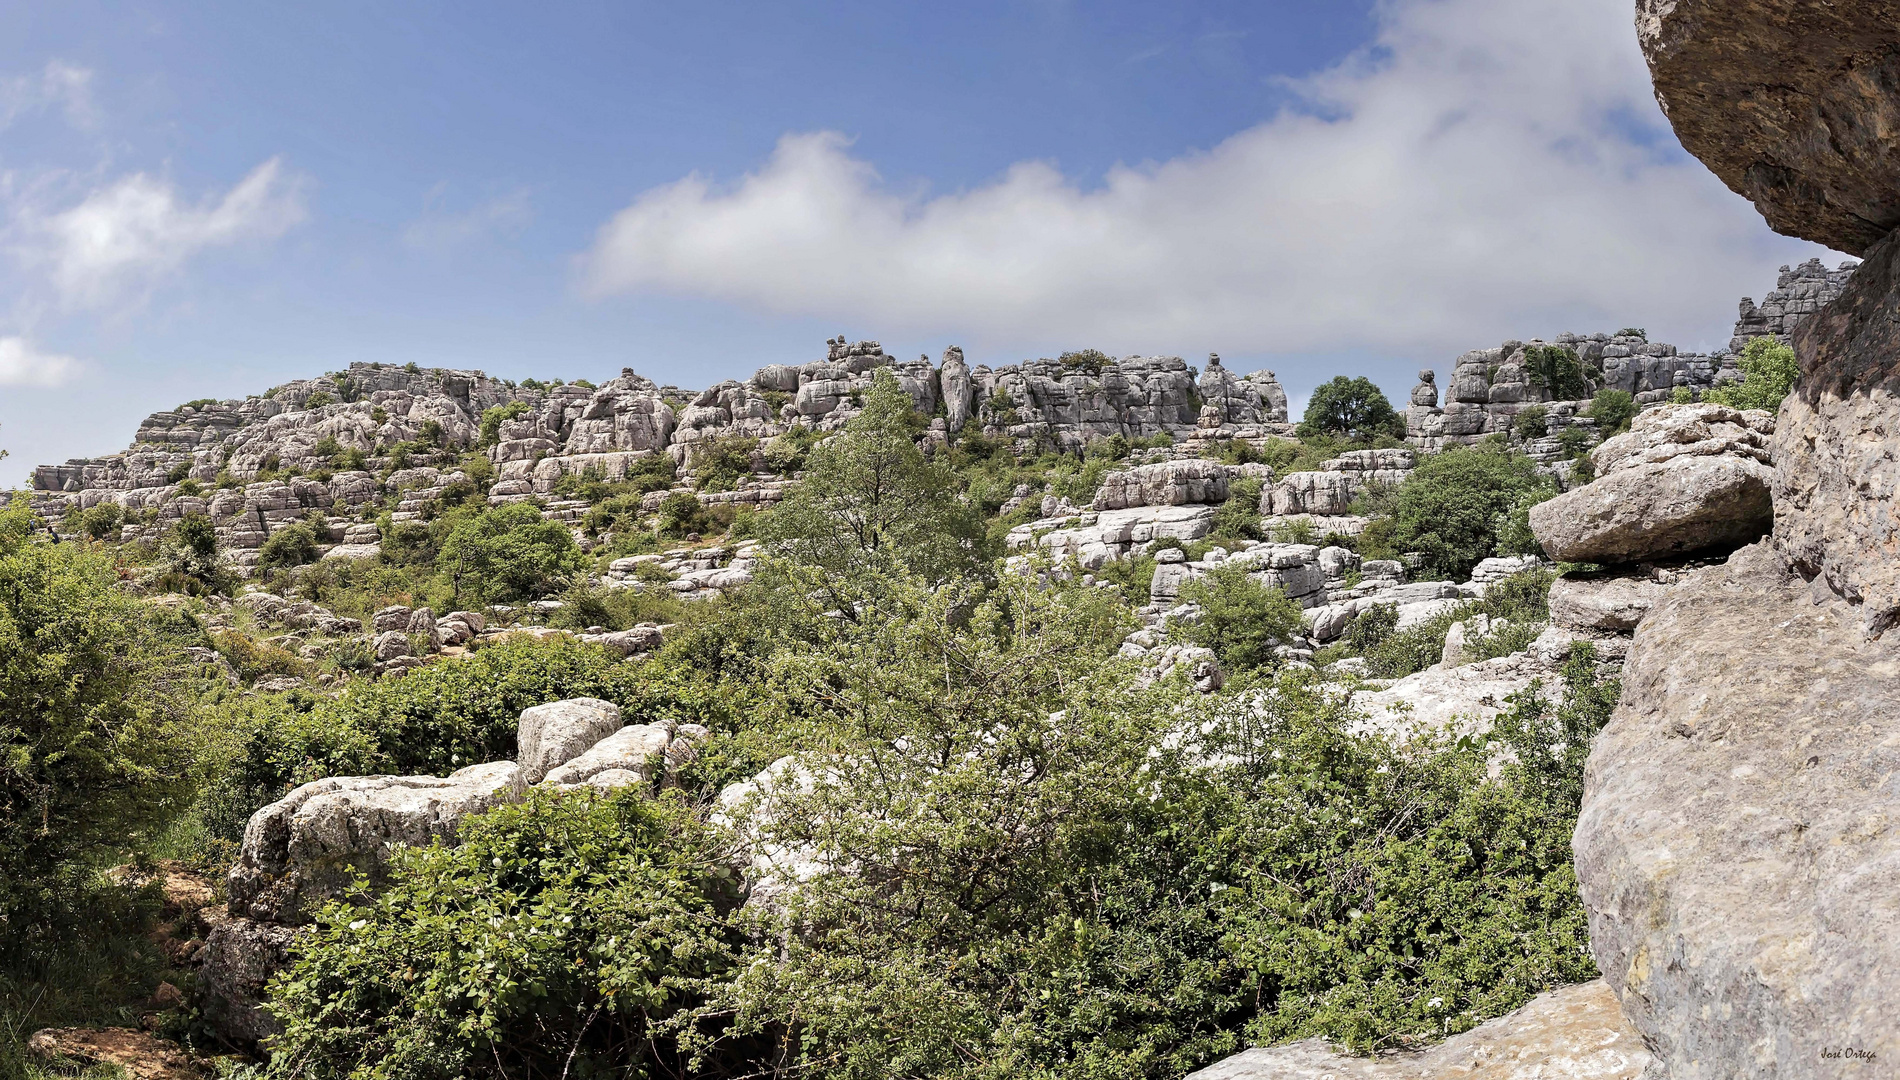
{"x":1738,"y":850}
{"x":1684,"y":478}
{"x":1799,"y":292}
{"x":1837,"y":474}
{"x":310,"y":845}
{"x":1164,"y":483}
{"x":1330,"y":490}
{"x":1612,"y":601}
{"x":1575,"y":1033}
{"x":1793,"y":105}
{"x":552,"y":735}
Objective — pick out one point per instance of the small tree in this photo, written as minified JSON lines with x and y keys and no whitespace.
{"x":509,"y":552}
{"x":1612,"y":410}
{"x":1243,"y":620}
{"x":292,"y":545}
{"x":1354,"y":408}
{"x":1558,"y":371}
{"x":1769,"y":370}
{"x":870,"y":500}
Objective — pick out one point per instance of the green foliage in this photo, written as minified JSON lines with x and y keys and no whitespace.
{"x":681,"y":514}
{"x":1682,"y":395}
{"x":1349,"y":407}
{"x":1769,"y":370}
{"x":199,"y":403}
{"x":1239,"y":517}
{"x":1452,"y":509}
{"x":190,"y":554}
{"x":318,"y":399}
{"x":1633,"y":331}
{"x":870,"y":501}
{"x":254,"y":659}
{"x":292,"y":545}
{"x":101,"y":522}
{"x":1557,"y":369}
{"x":719,"y":465}
{"x":507,"y":553}
{"x":1532,"y":423}
{"x":96,"y":747}
{"x":429,"y":434}
{"x":1514,"y":535}
{"x":379,"y":415}
{"x":179,"y":472}
{"x":1612,"y":410}
{"x":1090,"y":361}
{"x":1241,"y":619}
{"x":1573,"y":441}
{"x":563,"y":934}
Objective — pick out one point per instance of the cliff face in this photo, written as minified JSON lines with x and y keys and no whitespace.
{"x":1737,"y":848}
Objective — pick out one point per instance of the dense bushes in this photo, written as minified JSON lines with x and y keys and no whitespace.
{"x":1351,"y":408}
{"x":507,"y":553}
{"x":1241,"y":619}
{"x":96,"y":745}
{"x":563,"y":932}
{"x":1453,"y":508}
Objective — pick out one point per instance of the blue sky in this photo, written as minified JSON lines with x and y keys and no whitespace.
{"x":207,"y":199}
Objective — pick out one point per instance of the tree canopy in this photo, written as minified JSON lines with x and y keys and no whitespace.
{"x":1354,"y":408}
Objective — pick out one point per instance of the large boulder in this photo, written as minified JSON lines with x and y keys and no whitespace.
{"x":554,"y":734}
{"x":1683,"y":479}
{"x":310,"y":845}
{"x":1739,"y":845}
{"x":1792,"y":104}
{"x":240,"y":957}
{"x":1574,"y":1033}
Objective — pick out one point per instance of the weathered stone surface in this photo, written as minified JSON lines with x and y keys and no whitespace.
{"x":554,"y":734}
{"x":628,"y":756}
{"x":240,"y":957}
{"x":1793,"y":105}
{"x":309,"y":846}
{"x":1837,"y":475}
{"x":1458,"y":700}
{"x":1684,"y":478}
{"x":1737,"y":850}
{"x":1575,"y":1033}
{"x":143,"y":1056}
{"x":1608,"y":601}
{"x":1164,"y":483}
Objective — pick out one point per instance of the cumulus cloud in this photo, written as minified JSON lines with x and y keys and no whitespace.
{"x":1483,"y":168}
{"x":59,"y":85}
{"x":23,"y":365}
{"x":439,"y":230}
{"x":125,"y":237}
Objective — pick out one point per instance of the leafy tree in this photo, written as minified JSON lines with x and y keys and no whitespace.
{"x":870,"y":501}
{"x":1453,"y":507}
{"x":96,"y":746}
{"x":1612,"y":410}
{"x":1769,"y":370}
{"x":1532,"y":423}
{"x":101,"y":522}
{"x":1243,"y":620}
{"x":292,"y":545}
{"x":1354,"y":408}
{"x":191,"y":553}
{"x":720,"y":464}
{"x":508,"y":553}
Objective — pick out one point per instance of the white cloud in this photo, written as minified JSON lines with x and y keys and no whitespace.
{"x":125,"y":237}
{"x":23,"y":365}
{"x":438,"y":230}
{"x":59,"y":84}
{"x":1485,"y":168}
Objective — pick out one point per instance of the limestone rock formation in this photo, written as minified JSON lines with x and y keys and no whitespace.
{"x":1574,"y":1033}
{"x":1614,"y":602}
{"x":241,"y":955}
{"x":1738,"y":850}
{"x":1164,"y":483}
{"x":1793,"y":105}
{"x":1798,"y":293}
{"x":1684,"y":478}
{"x":552,"y":735}
{"x":309,"y":846}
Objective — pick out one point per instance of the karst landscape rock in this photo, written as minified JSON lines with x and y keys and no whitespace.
{"x":1062,"y":714}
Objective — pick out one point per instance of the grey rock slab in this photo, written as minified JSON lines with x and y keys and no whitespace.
{"x":1573,"y":1033}
{"x":551,"y":735}
{"x":1657,"y":510}
{"x":1737,"y":850}
{"x":1613,"y":602}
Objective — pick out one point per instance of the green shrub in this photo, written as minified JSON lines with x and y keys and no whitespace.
{"x":1769,"y":370}
{"x":1352,"y":408}
{"x":254,"y":659}
{"x":190,"y":553}
{"x":1612,"y":410}
{"x":1398,"y":653}
{"x":495,"y":415}
{"x":1557,"y":369}
{"x":1532,"y":423}
{"x":318,"y":399}
{"x":292,"y":545}
{"x":101,"y":522}
{"x":96,"y":743}
{"x":1452,"y":508}
{"x":1239,"y":517}
{"x":1242,"y":619}
{"x":720,"y":464}
{"x":681,"y":514}
{"x":562,"y":935}
{"x":507,"y":553}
